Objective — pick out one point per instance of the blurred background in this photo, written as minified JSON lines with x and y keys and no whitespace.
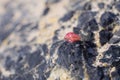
{"x":29,"y":27}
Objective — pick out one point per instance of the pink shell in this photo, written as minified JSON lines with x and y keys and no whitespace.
{"x":72,"y":37}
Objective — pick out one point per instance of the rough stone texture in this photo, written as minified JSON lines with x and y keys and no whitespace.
{"x":32,"y":45}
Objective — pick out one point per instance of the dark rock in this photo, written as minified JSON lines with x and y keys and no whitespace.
{"x":9,"y":63}
{"x":76,"y":30}
{"x":114,"y":74}
{"x":90,"y":52}
{"x":107,"y":18}
{"x":24,"y":50}
{"x":76,"y":5}
{"x":47,"y":74}
{"x":84,"y":18}
{"x":118,"y":70}
{"x":114,"y":40}
{"x":6,"y":18}
{"x":42,"y":78}
{"x":45,"y":12}
{"x":117,"y":33}
{"x":52,"y":1}
{"x":35,"y":59}
{"x":106,"y":73}
{"x":20,"y":58}
{"x":111,"y":56}
{"x":101,"y":5}
{"x":116,"y":64}
{"x":54,"y":46}
{"x":91,"y":26}
{"x":87,"y":24}
{"x":57,"y":32}
{"x":29,"y":76}
{"x":87,"y":6}
{"x":55,"y":38}
{"x":42,"y":68}
{"x":90,"y":44}
{"x":71,"y":54}
{"x":20,"y":78}
{"x":105,"y":36}
{"x":34,"y":26}
{"x":92,"y":71}
{"x":18,"y":68}
{"x":100,"y":72}
{"x":44,"y":48}
{"x":117,"y":6}
{"x":106,"y":78}
{"x":62,"y":27}
{"x":5,"y":32}
{"x":89,"y":37}
{"x":24,"y":27}
{"x":67,"y":16}
{"x":109,"y":6}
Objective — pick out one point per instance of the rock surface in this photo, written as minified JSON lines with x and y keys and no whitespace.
{"x":32,"y":45}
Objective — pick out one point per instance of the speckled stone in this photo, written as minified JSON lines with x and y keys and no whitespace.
{"x":32,"y":45}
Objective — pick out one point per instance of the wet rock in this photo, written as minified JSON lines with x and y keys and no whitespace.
{"x":107,"y":18}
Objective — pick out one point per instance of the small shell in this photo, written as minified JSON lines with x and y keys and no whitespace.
{"x":72,"y":37}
